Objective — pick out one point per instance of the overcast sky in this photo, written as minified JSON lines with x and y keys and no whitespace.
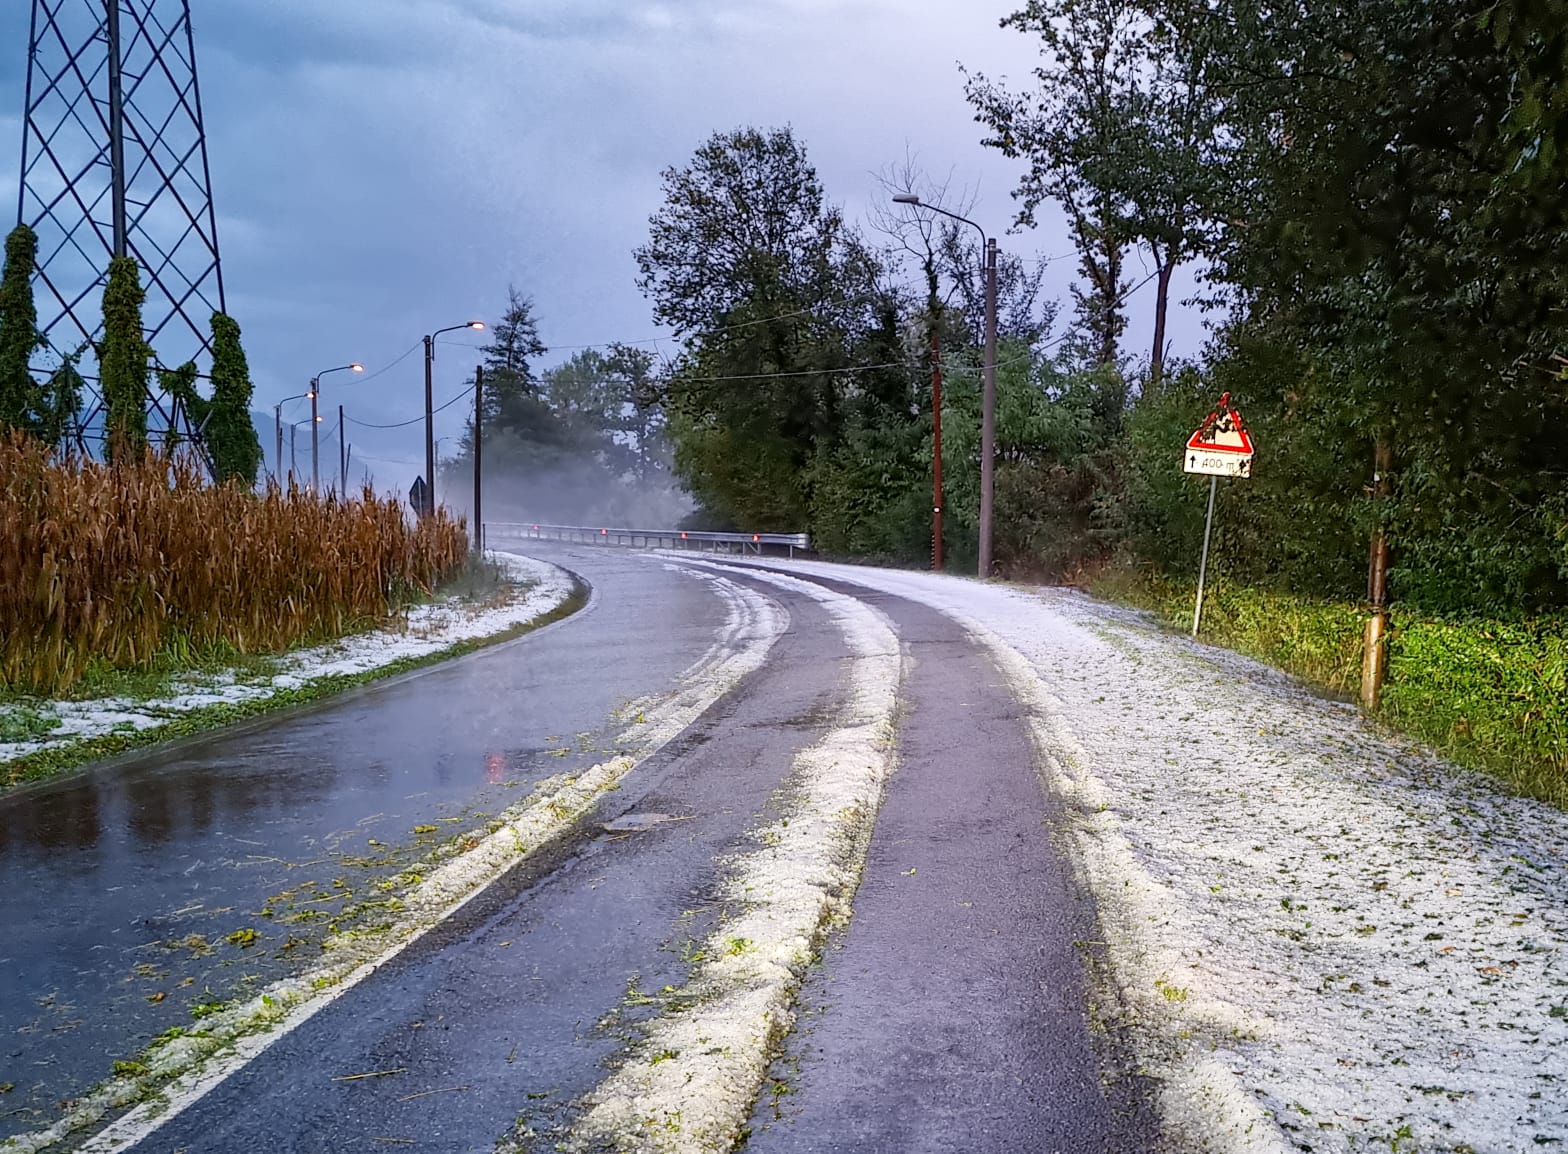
{"x":386,"y":167}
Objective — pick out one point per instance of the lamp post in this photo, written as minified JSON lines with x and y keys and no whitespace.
{"x":988,"y":393}
{"x":292,"y":427}
{"x":315,"y":418}
{"x":277,"y":421}
{"x":430,"y":418}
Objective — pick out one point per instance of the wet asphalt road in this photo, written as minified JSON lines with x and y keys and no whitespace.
{"x":951,"y":1014}
{"x":516,"y":1011}
{"x":105,"y":876}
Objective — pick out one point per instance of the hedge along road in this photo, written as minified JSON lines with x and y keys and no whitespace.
{"x":141,"y":896}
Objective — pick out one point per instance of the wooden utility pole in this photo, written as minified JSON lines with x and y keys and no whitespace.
{"x":988,"y":413}
{"x":479,"y":439}
{"x":1374,"y":647}
{"x":936,"y":447}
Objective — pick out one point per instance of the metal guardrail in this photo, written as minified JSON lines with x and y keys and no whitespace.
{"x":648,"y":538}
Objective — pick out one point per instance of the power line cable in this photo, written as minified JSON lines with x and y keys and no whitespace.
{"x":359,"y":380}
{"x":411,"y":420}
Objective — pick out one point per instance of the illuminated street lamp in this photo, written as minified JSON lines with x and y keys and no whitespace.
{"x":293,"y":425}
{"x":315,"y":417}
{"x":430,"y":417}
{"x":277,"y":421}
{"x":988,"y":396}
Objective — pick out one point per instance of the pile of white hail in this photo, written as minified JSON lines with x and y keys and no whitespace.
{"x":1322,"y":938}
{"x":689,"y":1085}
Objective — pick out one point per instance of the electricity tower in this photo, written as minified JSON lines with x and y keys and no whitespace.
{"x":114,"y":163}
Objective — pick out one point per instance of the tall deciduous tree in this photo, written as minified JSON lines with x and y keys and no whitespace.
{"x":755,"y":270}
{"x":123,"y":360}
{"x":1399,"y":258}
{"x":230,"y":432}
{"x":20,"y":398}
{"x":1122,"y":133}
{"x":1090,"y":49}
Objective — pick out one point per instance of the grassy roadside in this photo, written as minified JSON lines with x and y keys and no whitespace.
{"x":1489,"y":695}
{"x":49,"y":763}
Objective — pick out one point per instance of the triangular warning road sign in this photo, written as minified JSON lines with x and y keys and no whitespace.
{"x":1222,"y":432}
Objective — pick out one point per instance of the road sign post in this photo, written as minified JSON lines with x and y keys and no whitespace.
{"x":1203,"y":565}
{"x":1221,"y":447}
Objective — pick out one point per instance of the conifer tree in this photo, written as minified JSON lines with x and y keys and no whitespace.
{"x":123,"y":360}
{"x":19,"y":394}
{"x":231,"y":434}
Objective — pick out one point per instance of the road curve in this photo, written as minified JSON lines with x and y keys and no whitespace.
{"x":948,"y":1013}
{"x":120,"y":885}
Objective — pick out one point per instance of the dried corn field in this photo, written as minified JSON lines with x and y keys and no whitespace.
{"x":122,"y":567}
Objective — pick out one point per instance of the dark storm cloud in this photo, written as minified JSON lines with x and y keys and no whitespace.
{"x":385,"y":167}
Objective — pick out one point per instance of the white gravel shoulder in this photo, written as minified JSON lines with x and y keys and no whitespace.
{"x":426,"y":630}
{"x":1324,"y":939}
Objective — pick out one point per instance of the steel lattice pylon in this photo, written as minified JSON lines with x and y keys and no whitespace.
{"x":114,"y":162}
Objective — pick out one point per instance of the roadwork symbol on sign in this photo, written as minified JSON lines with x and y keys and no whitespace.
{"x":1222,"y":446}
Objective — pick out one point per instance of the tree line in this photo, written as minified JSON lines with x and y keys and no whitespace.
{"x":583,"y":441}
{"x":1374,"y":196}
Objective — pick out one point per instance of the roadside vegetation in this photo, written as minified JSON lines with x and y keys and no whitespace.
{"x":140,"y":566}
{"x":1372,"y":200}
{"x":1487,"y":693}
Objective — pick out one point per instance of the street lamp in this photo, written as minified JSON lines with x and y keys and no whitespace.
{"x":988,"y":394}
{"x":430,"y":417}
{"x":315,"y":417}
{"x":292,"y":426}
{"x":277,"y":421}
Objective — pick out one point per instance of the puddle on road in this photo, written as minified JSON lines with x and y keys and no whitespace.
{"x":88,"y":987}
{"x":640,"y":822}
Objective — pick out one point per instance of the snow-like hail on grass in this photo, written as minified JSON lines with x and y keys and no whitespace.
{"x":198,"y":1062}
{"x":690,"y":1083}
{"x":425,"y":631}
{"x":1322,"y":937}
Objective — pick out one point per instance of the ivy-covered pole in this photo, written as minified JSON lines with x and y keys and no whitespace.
{"x":123,"y":360}
{"x":231,"y":434}
{"x":20,"y":399}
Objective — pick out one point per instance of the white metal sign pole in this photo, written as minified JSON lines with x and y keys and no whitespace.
{"x":1203,"y":565}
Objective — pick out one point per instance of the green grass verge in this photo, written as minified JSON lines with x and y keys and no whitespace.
{"x":1489,"y":695}
{"x":49,"y":763}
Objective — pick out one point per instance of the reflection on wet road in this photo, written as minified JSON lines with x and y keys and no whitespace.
{"x":133,"y":897}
